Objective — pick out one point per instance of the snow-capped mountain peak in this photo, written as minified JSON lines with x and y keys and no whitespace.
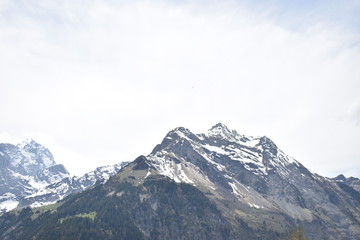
{"x":219,"y":127}
{"x":69,"y":185}
{"x":219,"y":147}
{"x":35,"y":154}
{"x":30,"y":177}
{"x":26,"y":168}
{"x":28,"y":142}
{"x":221,"y":131}
{"x":244,"y":170}
{"x":180,"y":131}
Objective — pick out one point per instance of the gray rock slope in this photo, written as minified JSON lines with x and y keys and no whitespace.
{"x":350,"y":181}
{"x":250,"y":177}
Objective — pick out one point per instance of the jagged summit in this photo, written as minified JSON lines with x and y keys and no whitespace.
{"x":219,"y":126}
{"x":220,"y":130}
{"x":181,"y":131}
{"x":26,"y":168}
{"x":223,"y":151}
{"x":350,"y":181}
{"x":258,"y":153}
{"x":27,"y":142}
{"x":36,"y":153}
{"x":340,"y":177}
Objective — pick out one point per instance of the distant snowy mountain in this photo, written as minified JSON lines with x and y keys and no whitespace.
{"x":25,"y":169}
{"x":68,"y":185}
{"x":29,"y":176}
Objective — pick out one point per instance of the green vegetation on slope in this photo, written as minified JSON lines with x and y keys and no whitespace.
{"x":123,"y":208}
{"x":297,"y":234}
{"x":90,"y":215}
{"x":158,"y":209}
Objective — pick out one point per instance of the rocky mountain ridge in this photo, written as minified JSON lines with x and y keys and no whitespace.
{"x":70,"y":185}
{"x":245,"y":188}
{"x":255,"y":172}
{"x":29,"y":176}
{"x":351,"y":181}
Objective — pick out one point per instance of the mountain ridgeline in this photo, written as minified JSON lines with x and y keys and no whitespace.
{"x":214,"y":185}
{"x":29,"y":176}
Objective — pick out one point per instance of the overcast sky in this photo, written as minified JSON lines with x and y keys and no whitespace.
{"x":101,"y":81}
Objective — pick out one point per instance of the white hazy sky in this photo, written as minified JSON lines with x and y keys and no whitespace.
{"x":102,"y":81}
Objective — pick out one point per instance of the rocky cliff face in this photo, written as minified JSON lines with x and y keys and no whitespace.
{"x":252,"y":174}
{"x":29,"y":176}
{"x":26,"y":168}
{"x":351,"y":181}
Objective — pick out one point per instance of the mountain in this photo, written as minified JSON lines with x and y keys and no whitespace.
{"x":26,"y":168}
{"x":214,"y":185}
{"x":69,"y":185}
{"x":29,"y":176}
{"x":351,"y":181}
{"x":256,"y":174}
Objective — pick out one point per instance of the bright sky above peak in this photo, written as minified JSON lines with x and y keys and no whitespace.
{"x":99,"y":82}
